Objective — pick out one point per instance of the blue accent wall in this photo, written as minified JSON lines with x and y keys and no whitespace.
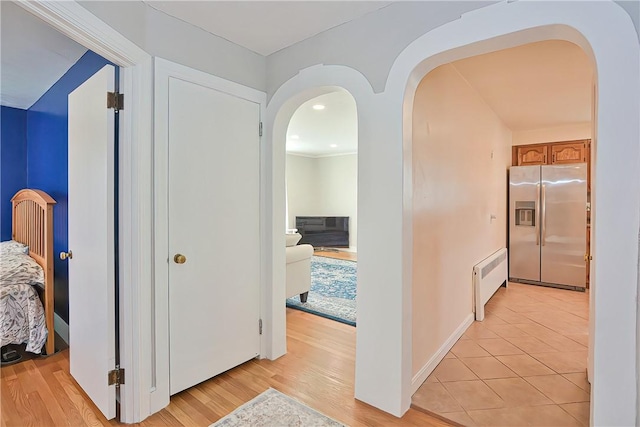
{"x":47,"y":160}
{"x":13,"y":162}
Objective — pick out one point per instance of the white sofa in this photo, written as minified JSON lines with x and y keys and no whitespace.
{"x":298,"y":273}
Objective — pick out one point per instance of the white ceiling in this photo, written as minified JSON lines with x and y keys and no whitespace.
{"x":534,"y":86}
{"x":530,"y":87}
{"x":266,"y":26}
{"x":33,"y":56}
{"x":327,"y":132}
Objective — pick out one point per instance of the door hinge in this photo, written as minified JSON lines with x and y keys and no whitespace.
{"x":115,"y":100}
{"x":260,"y":129}
{"x":116,"y":377}
{"x":260,"y":326}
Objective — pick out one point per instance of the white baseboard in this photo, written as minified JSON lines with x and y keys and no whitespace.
{"x":61,"y":327}
{"x":426,"y":370}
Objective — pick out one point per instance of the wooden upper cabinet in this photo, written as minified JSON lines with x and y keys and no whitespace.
{"x":552,"y":153}
{"x":573,"y":152}
{"x":527,"y":155}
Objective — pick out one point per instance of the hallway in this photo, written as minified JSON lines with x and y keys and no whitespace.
{"x":525,"y":364}
{"x":318,"y":370}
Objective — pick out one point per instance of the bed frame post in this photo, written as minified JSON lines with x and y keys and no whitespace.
{"x":32,"y":225}
{"x":49,"y":281}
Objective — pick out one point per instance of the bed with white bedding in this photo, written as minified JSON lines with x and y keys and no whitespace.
{"x":26,"y":274}
{"x":22,"y":316}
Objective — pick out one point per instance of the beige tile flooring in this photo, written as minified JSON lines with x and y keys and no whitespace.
{"x":524,"y":365}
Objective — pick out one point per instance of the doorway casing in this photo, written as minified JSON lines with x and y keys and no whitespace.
{"x":607,"y":35}
{"x":383,"y":376}
{"x":309,"y":83}
{"x":136,"y":144}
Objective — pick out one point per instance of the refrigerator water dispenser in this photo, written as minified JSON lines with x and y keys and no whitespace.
{"x":526,"y":213}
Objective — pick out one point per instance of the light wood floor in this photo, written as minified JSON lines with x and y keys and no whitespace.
{"x":525,"y":364}
{"x":349,"y":256}
{"x":317,"y":370}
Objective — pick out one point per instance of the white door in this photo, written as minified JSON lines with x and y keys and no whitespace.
{"x":91,"y":238}
{"x":214,"y":192}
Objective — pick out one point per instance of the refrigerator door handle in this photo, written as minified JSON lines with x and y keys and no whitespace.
{"x":543,"y":215}
{"x":537,"y":209}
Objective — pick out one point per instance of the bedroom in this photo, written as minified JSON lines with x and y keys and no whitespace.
{"x":34,"y":134}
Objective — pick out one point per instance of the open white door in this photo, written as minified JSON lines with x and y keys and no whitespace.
{"x":91,"y":239}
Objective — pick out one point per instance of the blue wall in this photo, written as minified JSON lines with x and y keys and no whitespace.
{"x":47,"y":160}
{"x":13,"y":162}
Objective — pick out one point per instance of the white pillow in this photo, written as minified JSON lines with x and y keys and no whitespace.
{"x":11,"y":246}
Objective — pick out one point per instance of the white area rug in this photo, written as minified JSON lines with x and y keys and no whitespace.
{"x":274,"y":409}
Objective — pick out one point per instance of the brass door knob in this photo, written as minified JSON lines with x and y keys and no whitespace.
{"x":65,"y":255}
{"x":179,"y":259}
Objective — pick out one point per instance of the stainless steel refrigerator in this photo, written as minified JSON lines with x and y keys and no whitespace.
{"x":547,"y":224}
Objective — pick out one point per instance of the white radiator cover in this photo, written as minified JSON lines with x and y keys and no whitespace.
{"x":488,"y":276}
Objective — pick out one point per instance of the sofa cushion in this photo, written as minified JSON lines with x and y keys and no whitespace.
{"x":293,"y":239}
{"x":299,"y":253}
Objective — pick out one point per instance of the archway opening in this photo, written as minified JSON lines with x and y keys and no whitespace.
{"x":321,"y":194}
{"x":474,"y":120}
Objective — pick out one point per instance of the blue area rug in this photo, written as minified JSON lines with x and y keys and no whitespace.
{"x":333,"y":290}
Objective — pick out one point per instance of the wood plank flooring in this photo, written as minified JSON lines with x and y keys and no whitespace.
{"x":317,"y":370}
{"x":349,"y":256}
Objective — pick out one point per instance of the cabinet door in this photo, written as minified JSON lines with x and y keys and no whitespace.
{"x":571,"y":152}
{"x":532,"y":155}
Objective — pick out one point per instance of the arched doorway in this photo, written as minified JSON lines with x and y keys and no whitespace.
{"x":321,"y":204}
{"x":385,"y":379}
{"x":468,"y":117}
{"x":518,"y":25}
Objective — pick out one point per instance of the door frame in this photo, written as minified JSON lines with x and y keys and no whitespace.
{"x":607,"y":35}
{"x":136,"y":142}
{"x":163,"y":70}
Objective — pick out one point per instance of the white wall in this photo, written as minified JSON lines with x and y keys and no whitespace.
{"x":461,"y":152}
{"x":339,"y":190}
{"x":324,"y":186}
{"x":384,"y":311}
{"x":570,"y":132}
{"x":632,"y":7}
{"x":605,"y":31}
{"x":302,"y":187}
{"x":162,"y":35}
{"x":364,"y":44}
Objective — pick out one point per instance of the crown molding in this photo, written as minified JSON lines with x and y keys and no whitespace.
{"x":80,"y":25}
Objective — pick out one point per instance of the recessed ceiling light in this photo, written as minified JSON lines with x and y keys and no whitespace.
{"x":294,"y":137}
{"x":333,"y":145}
{"x":318,"y":107}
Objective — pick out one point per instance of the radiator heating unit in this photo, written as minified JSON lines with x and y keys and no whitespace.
{"x":488,"y":276}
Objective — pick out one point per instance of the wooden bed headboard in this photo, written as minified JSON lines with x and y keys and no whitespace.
{"x":32,"y":225}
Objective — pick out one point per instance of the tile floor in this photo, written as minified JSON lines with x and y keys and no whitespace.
{"x":524,"y":365}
